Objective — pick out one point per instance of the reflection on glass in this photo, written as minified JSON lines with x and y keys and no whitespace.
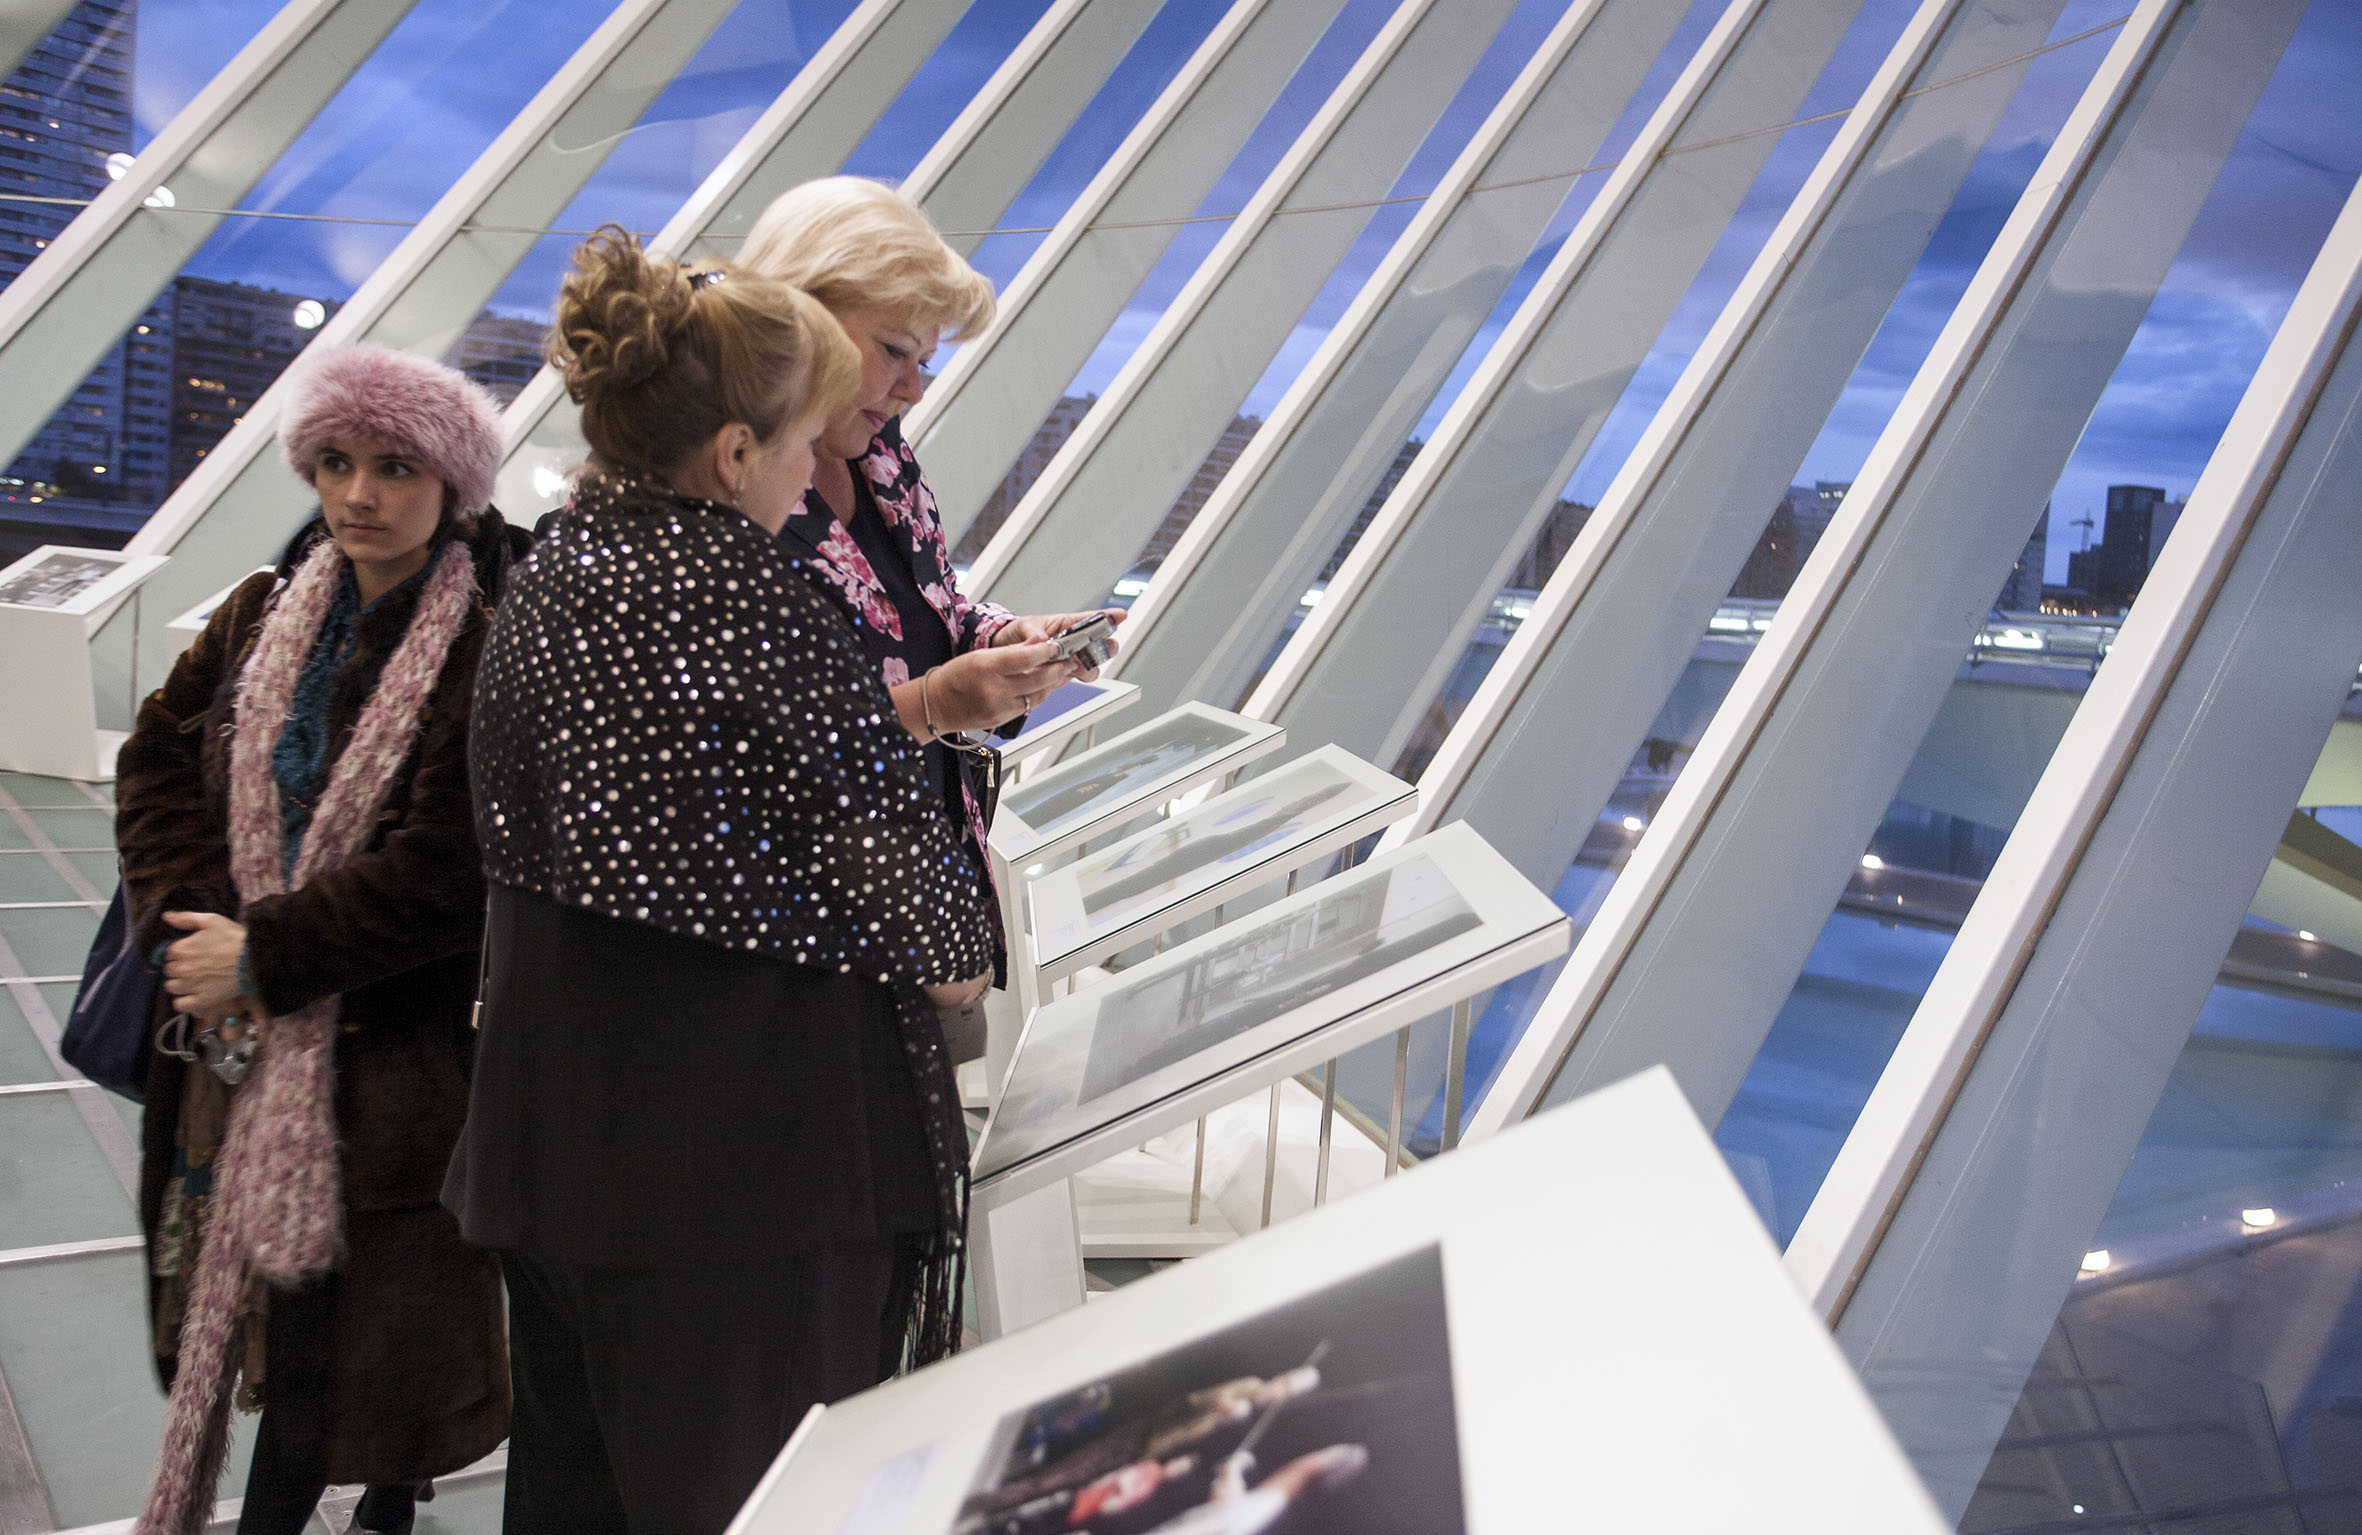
{"x":1212,"y":841}
{"x":1271,"y":968}
{"x":2215,"y":1361}
{"x":1330,"y":1413}
{"x":1140,"y":758}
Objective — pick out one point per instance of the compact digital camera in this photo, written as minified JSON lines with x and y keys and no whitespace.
{"x":1087,"y":640}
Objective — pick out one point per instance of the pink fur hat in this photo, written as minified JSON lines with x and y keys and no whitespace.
{"x":430,"y":412}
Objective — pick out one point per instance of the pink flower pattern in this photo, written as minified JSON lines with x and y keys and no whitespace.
{"x":907,"y":507}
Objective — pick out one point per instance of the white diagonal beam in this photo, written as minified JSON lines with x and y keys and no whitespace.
{"x":1951,"y":1228}
{"x":240,"y":503}
{"x":60,"y":315}
{"x":1619,"y":620}
{"x":1703,"y":936}
{"x":1392,"y":624}
{"x":1000,"y":139}
{"x":996,"y":391}
{"x":1216,"y":604}
{"x":1080,"y":524}
{"x":23,"y":24}
{"x":808,"y":130}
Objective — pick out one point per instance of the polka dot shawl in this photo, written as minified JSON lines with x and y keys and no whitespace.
{"x":677,"y":725}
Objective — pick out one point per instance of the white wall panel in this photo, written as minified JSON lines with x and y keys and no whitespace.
{"x":60,"y":315}
{"x":986,"y":157}
{"x":1109,"y":486}
{"x":23,"y":24}
{"x":1216,"y":604}
{"x":807,"y":130}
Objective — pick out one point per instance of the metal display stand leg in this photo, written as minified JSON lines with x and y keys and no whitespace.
{"x":1027,"y":1257}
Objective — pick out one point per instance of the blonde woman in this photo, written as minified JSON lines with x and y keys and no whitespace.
{"x":871,"y":256}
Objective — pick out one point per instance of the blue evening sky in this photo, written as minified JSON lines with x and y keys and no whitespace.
{"x":454,"y":72}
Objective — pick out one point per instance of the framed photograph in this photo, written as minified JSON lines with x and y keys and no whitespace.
{"x":1192,"y":862}
{"x":1118,"y":779}
{"x":1402,"y":936}
{"x":1331,"y":1413}
{"x":1066,"y":713}
{"x":1577,"y":1325}
{"x":59,"y":578}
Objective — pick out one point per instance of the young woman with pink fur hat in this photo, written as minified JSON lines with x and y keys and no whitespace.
{"x":299,"y":851}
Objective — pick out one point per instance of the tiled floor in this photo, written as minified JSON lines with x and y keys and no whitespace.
{"x":73,"y":1347}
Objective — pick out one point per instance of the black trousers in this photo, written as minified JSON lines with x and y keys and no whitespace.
{"x":289,"y":1469}
{"x":650,"y":1401}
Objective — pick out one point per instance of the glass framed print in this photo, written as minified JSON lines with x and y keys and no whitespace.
{"x":1068,"y":711}
{"x":59,"y":578}
{"x":1177,"y":868}
{"x":1135,"y":772}
{"x":1304,"y":978}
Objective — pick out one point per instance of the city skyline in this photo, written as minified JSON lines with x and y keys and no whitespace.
{"x":2156,"y":425}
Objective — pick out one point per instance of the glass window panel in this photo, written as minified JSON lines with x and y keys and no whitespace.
{"x":2206,"y":1371}
{"x":426,"y":102}
{"x":2027,"y":671}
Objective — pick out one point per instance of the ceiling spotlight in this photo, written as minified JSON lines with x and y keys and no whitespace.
{"x":1635,"y":823}
{"x":2307,"y":937}
{"x":160,"y":198}
{"x":309,"y":314}
{"x":2097,"y":1261}
{"x":1873,"y":861}
{"x":118,"y":165}
{"x":2258,"y":1219}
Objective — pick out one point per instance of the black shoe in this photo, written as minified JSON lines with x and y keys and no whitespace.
{"x":388,"y":1510}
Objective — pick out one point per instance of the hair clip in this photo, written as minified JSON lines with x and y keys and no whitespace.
{"x":705,"y":279}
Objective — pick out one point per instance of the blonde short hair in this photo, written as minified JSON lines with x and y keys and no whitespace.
{"x":853,"y":243}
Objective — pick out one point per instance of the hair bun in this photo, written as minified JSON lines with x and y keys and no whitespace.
{"x":618,"y":313}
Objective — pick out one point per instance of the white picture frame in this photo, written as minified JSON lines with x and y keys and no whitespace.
{"x":1625,"y":1353}
{"x":1395,"y":940}
{"x":85,"y":583}
{"x":1250,"y":835}
{"x":1069,"y":711}
{"x":1058,"y":809}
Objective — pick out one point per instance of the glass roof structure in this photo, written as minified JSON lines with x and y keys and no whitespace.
{"x":1860,"y":498}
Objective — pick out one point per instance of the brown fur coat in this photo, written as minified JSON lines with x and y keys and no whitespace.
{"x":417,"y":1365}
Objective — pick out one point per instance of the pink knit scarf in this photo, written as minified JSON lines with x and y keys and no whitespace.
{"x":277,"y":1202}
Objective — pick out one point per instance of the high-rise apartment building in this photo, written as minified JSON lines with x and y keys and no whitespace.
{"x":229,"y":342}
{"x":63,"y":112}
{"x":2111,"y":571}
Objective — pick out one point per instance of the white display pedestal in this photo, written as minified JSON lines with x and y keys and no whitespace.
{"x":51,"y":604}
{"x":1093,"y":794}
{"x":1136,"y":1204}
{"x":184,"y":630}
{"x":1579,"y":1324}
{"x":1204,"y":1025}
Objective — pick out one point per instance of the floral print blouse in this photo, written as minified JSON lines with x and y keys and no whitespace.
{"x":907,"y":507}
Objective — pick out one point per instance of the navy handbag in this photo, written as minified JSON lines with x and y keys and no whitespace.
{"x":106,"y":1036}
